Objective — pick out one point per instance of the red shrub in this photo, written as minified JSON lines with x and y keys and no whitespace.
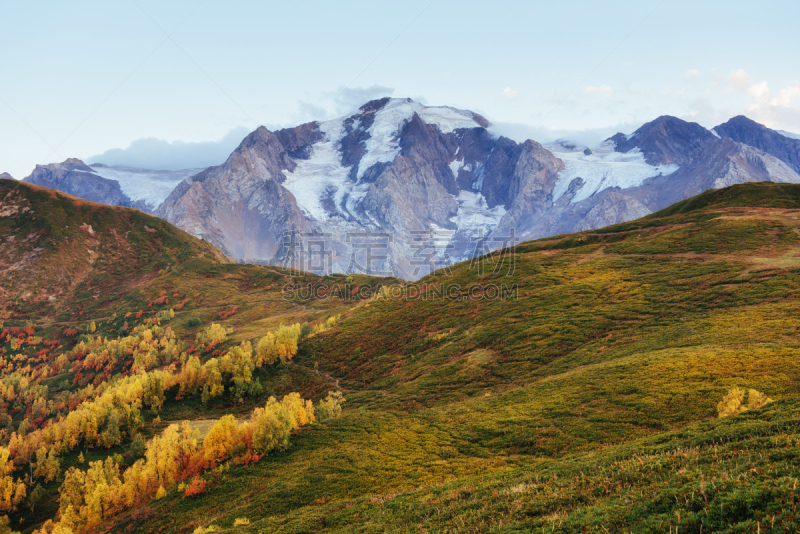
{"x":248,"y":459}
{"x":195,"y":465}
{"x":197,"y":487}
{"x":227,"y":312}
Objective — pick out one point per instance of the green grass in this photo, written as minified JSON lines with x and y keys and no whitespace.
{"x":587,"y":403}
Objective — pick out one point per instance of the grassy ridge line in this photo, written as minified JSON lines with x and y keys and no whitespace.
{"x":71,"y":253}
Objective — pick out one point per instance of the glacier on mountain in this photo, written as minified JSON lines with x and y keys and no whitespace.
{"x":149,"y":186}
{"x":790,"y":135}
{"x":322,"y":179}
{"x":323,"y":176}
{"x":602,"y":168}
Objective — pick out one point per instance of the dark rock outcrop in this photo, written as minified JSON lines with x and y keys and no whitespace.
{"x":743,"y":130}
{"x":76,"y":178}
{"x":666,"y":140}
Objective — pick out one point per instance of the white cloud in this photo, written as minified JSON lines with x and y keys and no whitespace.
{"x":590,"y":137}
{"x":340,"y":102}
{"x":740,"y":79}
{"x":692,"y":74}
{"x":601,"y":90}
{"x":787,"y":95}
{"x":776,"y":111}
{"x":158,"y":154}
{"x":509,"y":93}
{"x":759,"y":90}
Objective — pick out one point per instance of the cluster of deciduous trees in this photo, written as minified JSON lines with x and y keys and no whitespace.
{"x":88,"y":497}
{"x":105,"y":411}
{"x":107,"y":414}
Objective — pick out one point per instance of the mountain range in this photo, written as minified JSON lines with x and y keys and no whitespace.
{"x":400,"y":188}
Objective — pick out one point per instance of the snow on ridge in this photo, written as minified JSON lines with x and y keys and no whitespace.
{"x":603,"y":168}
{"x":790,"y":135}
{"x":455,"y":166}
{"x":321,"y":175}
{"x":383,"y":146}
{"x":151,"y":187}
{"x":474,"y":214}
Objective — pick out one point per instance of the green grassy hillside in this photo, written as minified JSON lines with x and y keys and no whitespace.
{"x":595,"y":390}
{"x":77,"y":277}
{"x":573,"y":389}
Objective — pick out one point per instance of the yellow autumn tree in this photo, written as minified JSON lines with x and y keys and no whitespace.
{"x":266,"y":351}
{"x":301,"y":412}
{"x":213,"y":334}
{"x":48,"y":465}
{"x":165,"y":453}
{"x":221,"y":439}
{"x":5,"y":526}
{"x":12,"y":492}
{"x":286,"y":341}
{"x":213,"y":386}
{"x":331,"y":407}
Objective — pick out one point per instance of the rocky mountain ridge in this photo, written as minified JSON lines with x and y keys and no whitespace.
{"x":143,"y":189}
{"x":401,"y":188}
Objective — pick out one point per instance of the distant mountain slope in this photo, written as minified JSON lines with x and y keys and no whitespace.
{"x":117,"y":186}
{"x":719,"y":164}
{"x":440,"y":186}
{"x":666,"y":140}
{"x":59,"y":253}
{"x":743,"y":130}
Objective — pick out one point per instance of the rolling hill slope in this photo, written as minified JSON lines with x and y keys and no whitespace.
{"x":60,"y":255}
{"x":588,"y":403}
{"x":575,"y":388}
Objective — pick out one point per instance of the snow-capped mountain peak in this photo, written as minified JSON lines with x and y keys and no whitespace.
{"x":332,"y":181}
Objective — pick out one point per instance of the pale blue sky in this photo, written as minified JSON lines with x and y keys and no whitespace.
{"x":79,"y":78}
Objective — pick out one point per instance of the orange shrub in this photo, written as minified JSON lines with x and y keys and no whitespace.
{"x":197,"y":487}
{"x":227,"y":312}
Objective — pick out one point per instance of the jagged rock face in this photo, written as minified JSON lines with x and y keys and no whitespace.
{"x":666,"y":140}
{"x":720,"y":164}
{"x":612,"y":208}
{"x":401,"y":188}
{"x":117,"y":186}
{"x":76,"y":178}
{"x":240,"y":206}
{"x":394,"y":167}
{"x":743,"y":130}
